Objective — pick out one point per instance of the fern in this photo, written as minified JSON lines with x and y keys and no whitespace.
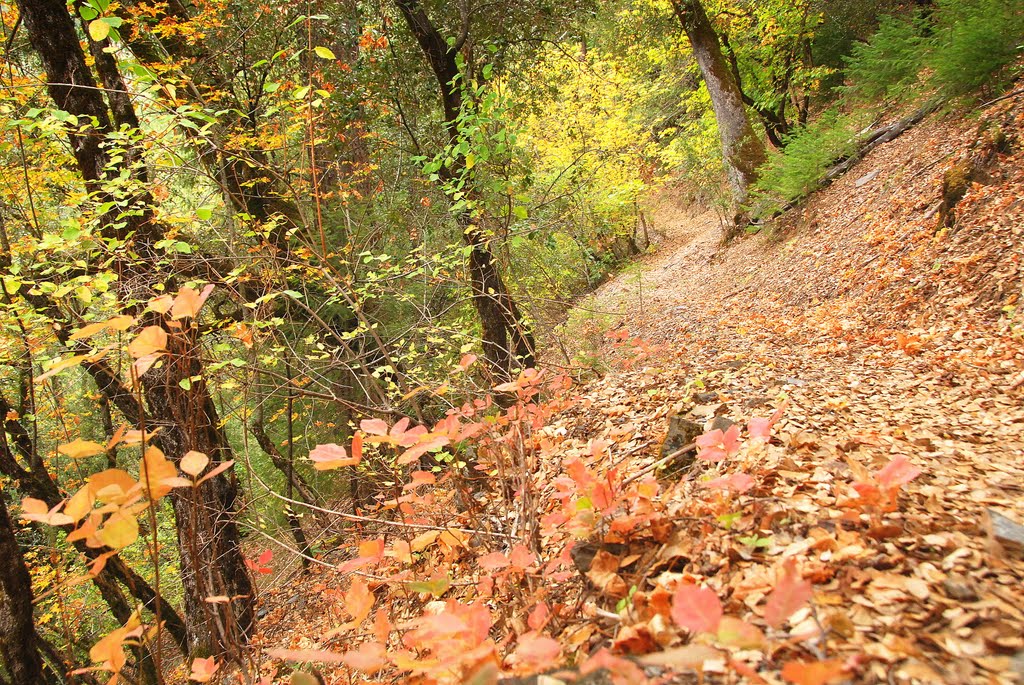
{"x":973,"y":43}
{"x":798,"y":169}
{"x":888,"y":64}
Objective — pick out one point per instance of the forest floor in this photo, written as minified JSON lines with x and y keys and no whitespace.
{"x":883,"y":338}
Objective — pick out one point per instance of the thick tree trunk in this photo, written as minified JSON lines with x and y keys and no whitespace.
{"x":212,"y":564}
{"x":211,"y":560}
{"x":742,"y":150}
{"x":18,"y":647}
{"x":507,"y":339}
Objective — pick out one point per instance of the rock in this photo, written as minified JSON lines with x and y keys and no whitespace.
{"x":960,"y":588}
{"x":722,"y":423}
{"x":583,"y":553}
{"x":867,"y":178}
{"x":1017,"y":663}
{"x":681,"y":432}
{"x":705,"y":397}
{"x":709,"y":410}
{"x":1007,"y":532}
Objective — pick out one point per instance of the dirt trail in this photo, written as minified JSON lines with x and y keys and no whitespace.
{"x":888,"y":338}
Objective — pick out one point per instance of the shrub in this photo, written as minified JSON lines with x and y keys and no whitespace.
{"x":797,"y":170}
{"x":973,"y":43}
{"x":888,"y":64}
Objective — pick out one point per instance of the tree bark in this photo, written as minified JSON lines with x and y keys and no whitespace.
{"x":742,"y":150}
{"x":507,"y":339}
{"x":18,"y":647}
{"x":211,"y":559}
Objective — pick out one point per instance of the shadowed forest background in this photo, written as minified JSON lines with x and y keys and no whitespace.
{"x":296,"y":307}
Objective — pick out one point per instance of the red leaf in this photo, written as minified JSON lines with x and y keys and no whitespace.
{"x":539,"y":616}
{"x":538,"y":650}
{"x":331,"y":456}
{"x":759,"y":428}
{"x":813,"y":672}
{"x":737,"y":482}
{"x":373,"y":426}
{"x":789,"y":595}
{"x":696,"y":609}
{"x":265,"y":557}
{"x":368,"y":657}
{"x":493,"y":561}
{"x":522,"y":558}
{"x":897,"y":472}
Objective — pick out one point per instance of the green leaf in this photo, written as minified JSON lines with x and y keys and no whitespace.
{"x":520,"y":212}
{"x":323,"y":53}
{"x":88,"y":13}
{"x":204,"y":213}
{"x":435,"y":587}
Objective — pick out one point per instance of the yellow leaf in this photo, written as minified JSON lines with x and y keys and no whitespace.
{"x":150,"y":340}
{"x":80,"y":504}
{"x":109,"y":650}
{"x":88,"y":331}
{"x":121,"y":323}
{"x":323,"y":53}
{"x":80,"y":449}
{"x":99,"y":29}
{"x":120,"y":530}
{"x":421,"y":542}
{"x":60,"y":366}
{"x":193,"y":463}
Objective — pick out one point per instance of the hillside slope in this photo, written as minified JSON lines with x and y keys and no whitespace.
{"x":887,"y":351}
{"x":889,"y":335}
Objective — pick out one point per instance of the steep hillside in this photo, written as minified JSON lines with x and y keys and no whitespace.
{"x":887,"y":351}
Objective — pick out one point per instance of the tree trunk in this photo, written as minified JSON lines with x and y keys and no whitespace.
{"x":507,"y":339}
{"x":742,"y":150}
{"x":18,"y":648}
{"x":211,"y":560}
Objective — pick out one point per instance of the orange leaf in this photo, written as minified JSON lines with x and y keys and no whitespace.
{"x":188,"y":302}
{"x":157,"y":473}
{"x":813,"y":672}
{"x":193,"y":463}
{"x":789,"y":595}
{"x":203,"y":669}
{"x":162,"y":304}
{"x":79,"y":449}
{"x":358,"y":601}
{"x":150,"y":340}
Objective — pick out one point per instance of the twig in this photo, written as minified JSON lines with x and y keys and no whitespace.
{"x":664,"y":460}
{"x":1001,"y":98}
